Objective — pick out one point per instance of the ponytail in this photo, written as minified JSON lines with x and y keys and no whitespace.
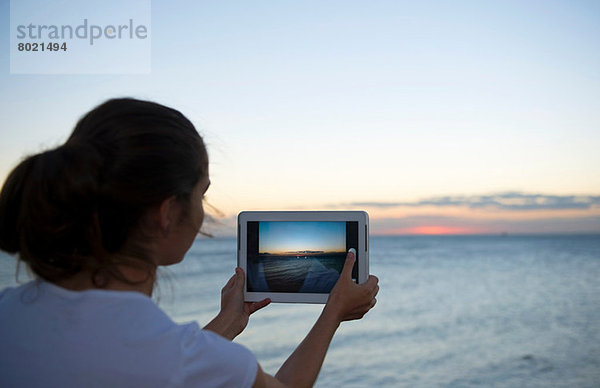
{"x":47,"y":207}
{"x":10,"y":203}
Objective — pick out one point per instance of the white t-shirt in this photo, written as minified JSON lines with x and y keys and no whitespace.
{"x":53,"y":337}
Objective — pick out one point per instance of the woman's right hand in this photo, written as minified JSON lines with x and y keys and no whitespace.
{"x":348,"y":300}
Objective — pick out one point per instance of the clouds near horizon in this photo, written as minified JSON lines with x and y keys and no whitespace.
{"x":502,"y":201}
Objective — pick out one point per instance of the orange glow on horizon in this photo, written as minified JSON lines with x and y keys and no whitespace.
{"x":433,"y":230}
{"x":481,"y":213}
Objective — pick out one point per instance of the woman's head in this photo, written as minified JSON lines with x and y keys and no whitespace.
{"x":78,"y":205}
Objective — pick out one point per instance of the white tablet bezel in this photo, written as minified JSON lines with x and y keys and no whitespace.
{"x":363,"y":247}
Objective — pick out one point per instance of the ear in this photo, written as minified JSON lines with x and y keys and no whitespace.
{"x":166,"y":215}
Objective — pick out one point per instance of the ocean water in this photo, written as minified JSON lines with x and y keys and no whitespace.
{"x":453,"y":311}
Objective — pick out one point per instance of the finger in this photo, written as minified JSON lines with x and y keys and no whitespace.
{"x":368,"y":305}
{"x":365,"y":307}
{"x":254,"y":307}
{"x":349,"y":263}
{"x":354,"y":316}
{"x":371,"y":283}
{"x":375,"y":291}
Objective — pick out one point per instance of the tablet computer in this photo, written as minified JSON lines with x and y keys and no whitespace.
{"x":297,"y":256}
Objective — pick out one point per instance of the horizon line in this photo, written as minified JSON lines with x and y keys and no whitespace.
{"x":495,"y":234}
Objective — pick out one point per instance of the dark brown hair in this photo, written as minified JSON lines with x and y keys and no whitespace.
{"x":62,"y":210}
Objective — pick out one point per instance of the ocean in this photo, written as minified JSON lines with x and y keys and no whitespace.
{"x":452,"y":311}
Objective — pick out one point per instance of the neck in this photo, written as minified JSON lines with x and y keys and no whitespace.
{"x":137,"y":276}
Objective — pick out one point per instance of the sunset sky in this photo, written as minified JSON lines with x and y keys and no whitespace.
{"x":283,"y":237}
{"x":435,"y":117}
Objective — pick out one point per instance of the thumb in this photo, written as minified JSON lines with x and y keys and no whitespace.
{"x":239,"y":278}
{"x":349,"y":264}
{"x":230,"y":282}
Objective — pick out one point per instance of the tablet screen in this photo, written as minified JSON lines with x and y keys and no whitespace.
{"x":298,"y":256}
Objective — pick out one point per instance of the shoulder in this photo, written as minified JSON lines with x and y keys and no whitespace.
{"x":194,"y":356}
{"x":5,"y":291}
{"x":212,"y":360}
{"x":19,"y":294}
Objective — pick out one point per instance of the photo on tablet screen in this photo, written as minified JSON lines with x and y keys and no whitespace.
{"x":298,"y":256}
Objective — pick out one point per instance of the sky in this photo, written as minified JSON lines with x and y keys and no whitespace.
{"x":435,"y":117}
{"x":283,"y":236}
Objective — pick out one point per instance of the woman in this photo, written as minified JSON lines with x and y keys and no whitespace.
{"x":93,"y":219}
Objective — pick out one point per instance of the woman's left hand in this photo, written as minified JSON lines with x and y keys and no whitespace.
{"x":235,"y":313}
